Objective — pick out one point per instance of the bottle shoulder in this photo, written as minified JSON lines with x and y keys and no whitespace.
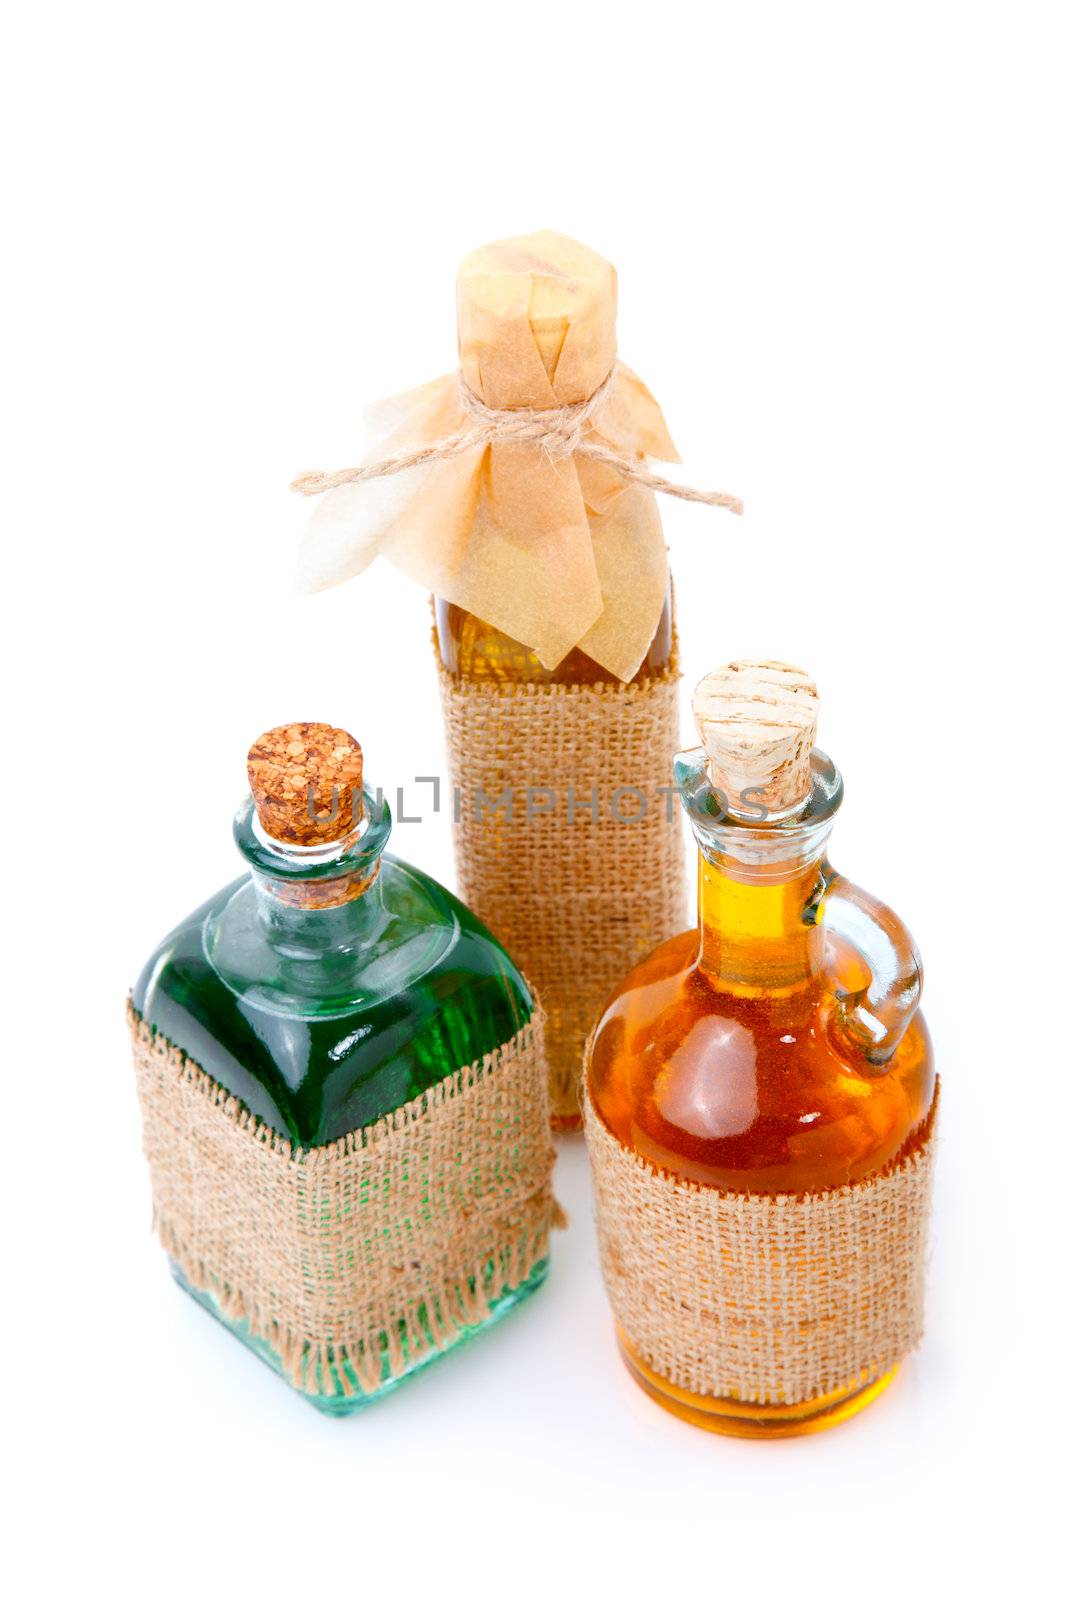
{"x":470,"y":933}
{"x":749,"y":1090}
{"x":317,"y":1045}
{"x":474,"y":650}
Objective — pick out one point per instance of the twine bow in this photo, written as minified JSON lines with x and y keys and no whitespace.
{"x":560,"y":431}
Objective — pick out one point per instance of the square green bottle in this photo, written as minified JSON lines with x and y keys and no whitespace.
{"x":344,"y":1093}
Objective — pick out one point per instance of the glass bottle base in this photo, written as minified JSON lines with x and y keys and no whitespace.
{"x":341,"y":1405}
{"x":745,"y":1419}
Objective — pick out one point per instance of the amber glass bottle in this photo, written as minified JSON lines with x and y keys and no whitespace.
{"x":776,"y":1049}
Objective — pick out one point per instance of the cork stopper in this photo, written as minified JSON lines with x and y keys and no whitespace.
{"x":307,"y":782}
{"x":536,"y":320}
{"x":757,"y":724}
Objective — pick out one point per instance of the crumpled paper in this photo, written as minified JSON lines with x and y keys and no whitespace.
{"x":553,"y":551}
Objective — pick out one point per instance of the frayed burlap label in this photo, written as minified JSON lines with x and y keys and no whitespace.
{"x":774,"y":1299}
{"x":577,"y":896}
{"x":352,"y":1260}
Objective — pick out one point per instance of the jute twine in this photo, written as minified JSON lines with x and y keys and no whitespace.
{"x":356,"y":1259}
{"x":774,"y":1299}
{"x":576,"y":898}
{"x":559,"y":431}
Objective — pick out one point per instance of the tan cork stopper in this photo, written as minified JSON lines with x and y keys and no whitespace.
{"x":286,"y":763}
{"x":757,"y":724}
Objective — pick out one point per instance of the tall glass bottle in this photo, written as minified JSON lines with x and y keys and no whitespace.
{"x":331,"y":983}
{"x":517,"y":492}
{"x":776,"y":1049}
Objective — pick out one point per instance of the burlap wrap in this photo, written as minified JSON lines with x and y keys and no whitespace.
{"x":576,"y":899}
{"x":775,"y":1299}
{"x":354,"y":1259}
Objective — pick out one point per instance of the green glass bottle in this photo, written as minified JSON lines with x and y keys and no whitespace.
{"x":331,"y":985}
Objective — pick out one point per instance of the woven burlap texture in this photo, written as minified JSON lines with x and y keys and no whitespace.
{"x":353,"y":1259}
{"x":575,"y":898}
{"x":775,"y":1299}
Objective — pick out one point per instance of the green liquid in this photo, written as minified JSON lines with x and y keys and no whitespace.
{"x":322,"y":1021}
{"x":318,"y":1042}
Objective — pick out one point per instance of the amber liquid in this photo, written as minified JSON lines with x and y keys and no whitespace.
{"x":716,"y":1061}
{"x":473,"y":650}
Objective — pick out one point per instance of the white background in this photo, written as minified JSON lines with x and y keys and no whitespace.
{"x":838,"y":230}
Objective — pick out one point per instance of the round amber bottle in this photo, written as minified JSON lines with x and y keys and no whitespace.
{"x":776,"y":1049}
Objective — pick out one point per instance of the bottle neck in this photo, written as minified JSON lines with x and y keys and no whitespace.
{"x":757,"y":931}
{"x":311,"y":917}
{"x":314,"y":900}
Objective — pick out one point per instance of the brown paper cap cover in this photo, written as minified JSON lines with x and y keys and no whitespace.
{"x":536,"y":321}
{"x":288,"y":762}
{"x":556,"y":553}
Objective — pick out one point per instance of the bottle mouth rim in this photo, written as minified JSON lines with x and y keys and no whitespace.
{"x":276,"y":858}
{"x":736,"y":833}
